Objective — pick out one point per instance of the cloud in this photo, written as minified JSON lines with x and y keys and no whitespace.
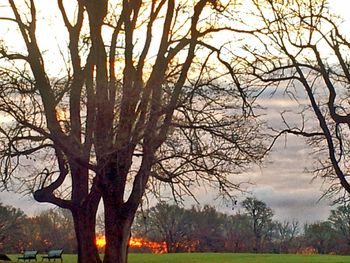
{"x":300,"y":204}
{"x":281,"y":182}
{"x":26,"y":203}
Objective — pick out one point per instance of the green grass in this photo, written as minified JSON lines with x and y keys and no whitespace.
{"x":235,"y":258}
{"x":220,"y":258}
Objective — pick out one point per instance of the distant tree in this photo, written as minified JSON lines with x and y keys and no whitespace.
{"x":321,"y":236}
{"x":164,"y":223}
{"x":62,"y":227}
{"x":207,"y":227}
{"x":239,"y":234}
{"x":286,"y":234}
{"x":147,"y":93}
{"x":195,"y":229}
{"x":50,"y":229}
{"x":100,"y":223}
{"x":340,"y":221}
{"x":11,"y":228}
{"x":260,"y":219}
{"x":40,"y":233}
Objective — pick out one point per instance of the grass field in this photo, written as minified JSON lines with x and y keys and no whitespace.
{"x":221,"y":258}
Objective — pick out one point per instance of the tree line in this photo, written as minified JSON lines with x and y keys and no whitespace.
{"x":197,"y":229}
{"x":49,"y":229}
{"x":252,"y":229}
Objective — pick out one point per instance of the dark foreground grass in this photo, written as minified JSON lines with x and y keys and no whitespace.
{"x":221,"y":258}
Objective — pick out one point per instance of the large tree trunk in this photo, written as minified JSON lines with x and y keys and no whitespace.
{"x":84,"y":223}
{"x":117,"y":232}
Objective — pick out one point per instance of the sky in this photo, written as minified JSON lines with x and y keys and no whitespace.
{"x":281,"y":182}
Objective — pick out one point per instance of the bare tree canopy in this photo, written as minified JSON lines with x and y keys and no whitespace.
{"x":129,"y":92}
{"x":303,"y":50}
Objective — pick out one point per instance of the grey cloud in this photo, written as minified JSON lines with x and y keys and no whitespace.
{"x":25,"y":203}
{"x":304,"y":206}
{"x":281,"y":182}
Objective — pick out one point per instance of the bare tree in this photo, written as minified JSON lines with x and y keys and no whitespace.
{"x":286,"y":233}
{"x":144,"y":93}
{"x":239,"y":234}
{"x":261,"y":219}
{"x":303,"y":51}
{"x":164,"y":223}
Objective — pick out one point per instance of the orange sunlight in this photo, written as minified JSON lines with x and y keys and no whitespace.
{"x":100,"y":242}
{"x":155,"y":247}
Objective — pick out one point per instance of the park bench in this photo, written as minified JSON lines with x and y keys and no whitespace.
{"x":54,"y":254}
{"x":28,"y":255}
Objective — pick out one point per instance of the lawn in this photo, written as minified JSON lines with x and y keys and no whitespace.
{"x":236,"y":258}
{"x":221,"y":258}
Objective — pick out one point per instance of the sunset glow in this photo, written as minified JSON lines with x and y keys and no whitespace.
{"x":154,"y":247}
{"x":100,"y":242}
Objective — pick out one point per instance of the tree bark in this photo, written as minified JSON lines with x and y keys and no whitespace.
{"x":84,"y":223}
{"x":117,"y":231}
